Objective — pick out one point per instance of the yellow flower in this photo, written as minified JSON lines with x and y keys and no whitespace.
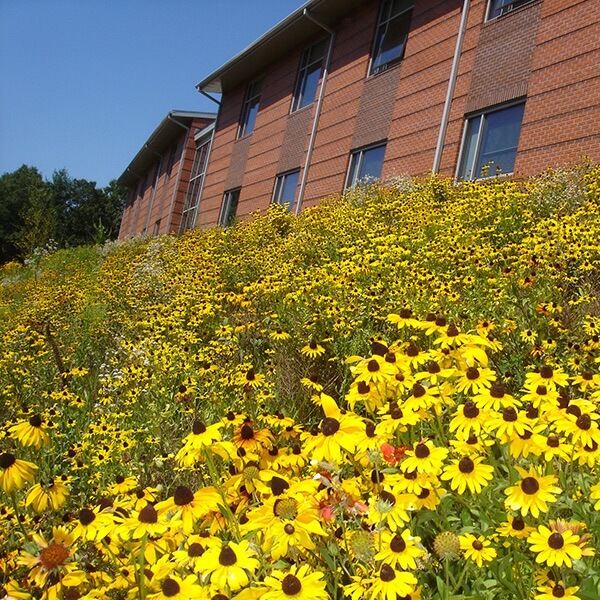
{"x":532,"y":493}
{"x":51,"y":495}
{"x":553,"y":590}
{"x":425,"y":458}
{"x":297,"y":584}
{"x":31,"y":433}
{"x":468,"y":472}
{"x":312,"y":350}
{"x":555,"y":548}
{"x":400,"y":550}
{"x":15,"y":473}
{"x":229,"y":565}
{"x":477,"y":549}
{"x":391,"y":584}
{"x":176,"y":588}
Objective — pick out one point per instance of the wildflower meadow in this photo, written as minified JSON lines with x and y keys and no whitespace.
{"x":393,"y":396}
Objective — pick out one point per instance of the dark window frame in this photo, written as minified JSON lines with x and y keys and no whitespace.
{"x":393,"y":13}
{"x":311,"y":65}
{"x":250,"y":107}
{"x":475,"y":145}
{"x":281,"y":186}
{"x":195,"y":184}
{"x":357,"y":162}
{"x":228,"y":212}
{"x":499,"y":8}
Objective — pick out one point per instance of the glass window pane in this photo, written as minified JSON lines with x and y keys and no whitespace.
{"x":470,"y":146}
{"x":309,"y":86}
{"x":500,"y":139}
{"x":372,"y":163}
{"x":288,"y":193}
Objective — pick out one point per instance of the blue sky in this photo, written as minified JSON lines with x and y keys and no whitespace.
{"x":83,"y":83}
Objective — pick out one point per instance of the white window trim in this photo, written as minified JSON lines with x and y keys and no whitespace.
{"x":509,"y":8}
{"x":282,"y":177}
{"x":226,"y":206}
{"x":361,"y":151}
{"x":297,"y":97}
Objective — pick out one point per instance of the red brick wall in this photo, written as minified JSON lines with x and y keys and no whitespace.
{"x":562,"y":115}
{"x":546,"y":50}
{"x":155,"y":204}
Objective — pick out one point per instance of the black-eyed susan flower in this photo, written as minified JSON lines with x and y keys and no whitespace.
{"x":477,"y":549}
{"x":554,"y":590}
{"x":468,"y":472}
{"x":547,"y":376}
{"x":47,"y":495}
{"x":475,"y":380}
{"x":400,"y":550}
{"x":515,"y":527}
{"x":467,"y":419}
{"x":229,"y":565}
{"x":338,"y":432}
{"x":390,"y":508}
{"x":92,"y":525}
{"x":554,"y":548}
{"x":533,"y":493}
{"x":14,"y":472}
{"x":425,"y":457}
{"x":178,"y":588}
{"x":312,"y":349}
{"x":298,"y":583}
{"x":189,"y":507}
{"x":390,"y":583}
{"x":31,"y":432}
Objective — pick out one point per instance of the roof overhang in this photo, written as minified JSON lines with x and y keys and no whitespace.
{"x":287,"y":35}
{"x":159,"y":142}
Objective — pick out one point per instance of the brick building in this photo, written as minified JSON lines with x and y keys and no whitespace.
{"x":166,"y":177}
{"x":341,"y":90}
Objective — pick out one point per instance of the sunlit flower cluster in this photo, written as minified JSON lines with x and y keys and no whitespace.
{"x":394,"y":395}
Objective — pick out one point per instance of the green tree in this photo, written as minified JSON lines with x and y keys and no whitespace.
{"x":16,"y":190}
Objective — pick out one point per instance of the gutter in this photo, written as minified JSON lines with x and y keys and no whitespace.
{"x":174,"y":197}
{"x":437,"y":159}
{"x":313,"y":133}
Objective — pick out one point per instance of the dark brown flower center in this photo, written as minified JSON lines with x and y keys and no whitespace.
{"x":556,"y":541}
{"x":558,"y":591}
{"x":518,"y":524}
{"x":553,"y":441}
{"x":170,"y":587}
{"x":227,"y":556}
{"x":546,"y":372}
{"x":418,"y":391}
{"x":291,"y":585}
{"x":422,"y":450}
{"x":452,"y":331}
{"x":373,"y":366}
{"x":405,"y":313}
{"x":86,"y":516}
{"x":7,"y":460}
{"x":247,"y":432}
{"x":472,"y":373}
{"x":36,"y":421}
{"x":509,"y":414}
{"x":289,"y":528}
{"x":198,"y":428}
{"x":387,"y":573}
{"x":466,"y":465}
{"x":329,"y":426}
{"x":497,"y":390}
{"x":148,"y":514}
{"x":470,"y":410}
{"x":196,"y":549}
{"x":363,"y":388}
{"x":530,"y":485}
{"x":412,"y":350}
{"x":433,"y":367}
{"x":541,"y":390}
{"x":183,"y":495}
{"x":387,"y":497}
{"x":477,"y":545}
{"x":584,"y":422}
{"x":398,"y":544}
{"x":370,"y":429}
{"x":279,"y":485}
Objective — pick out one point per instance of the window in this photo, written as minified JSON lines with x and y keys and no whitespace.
{"x":490,"y":143}
{"x":392,"y":33}
{"x":192,"y":198}
{"x":250,"y":109}
{"x":308,"y":75}
{"x":365,"y":163}
{"x":285,"y":188}
{"x":497,"y":8}
{"x":229,"y":207}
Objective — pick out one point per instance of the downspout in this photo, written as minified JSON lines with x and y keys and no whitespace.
{"x":437,"y":159}
{"x":185,"y":143}
{"x":313,"y":133}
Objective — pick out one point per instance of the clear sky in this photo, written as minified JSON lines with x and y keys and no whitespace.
{"x":83,"y":83}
